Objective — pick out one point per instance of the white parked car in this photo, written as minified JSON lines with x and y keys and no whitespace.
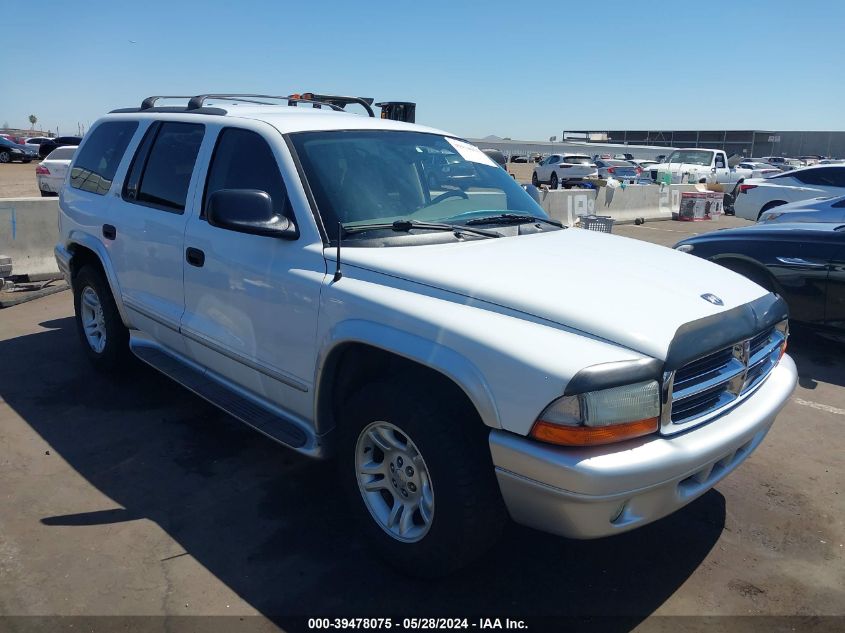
{"x":563,"y":169}
{"x":296,"y":267}
{"x":51,"y":173}
{"x":784,"y":164}
{"x":34,"y":143}
{"x":758,"y":195}
{"x":825,"y":209}
{"x":758,"y":169}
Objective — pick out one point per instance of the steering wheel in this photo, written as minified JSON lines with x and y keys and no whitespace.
{"x":452,"y":193}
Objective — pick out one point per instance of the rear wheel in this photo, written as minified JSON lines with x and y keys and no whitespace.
{"x":553,"y":181}
{"x":418,"y":472}
{"x":5,"y":157}
{"x":104,"y":337}
{"x":48,"y":194}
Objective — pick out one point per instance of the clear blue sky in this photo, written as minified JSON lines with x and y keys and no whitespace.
{"x":518,"y":69}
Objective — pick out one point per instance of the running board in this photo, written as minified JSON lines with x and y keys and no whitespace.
{"x":260,"y":418}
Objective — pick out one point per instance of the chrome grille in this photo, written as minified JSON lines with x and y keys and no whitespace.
{"x":704,"y":387}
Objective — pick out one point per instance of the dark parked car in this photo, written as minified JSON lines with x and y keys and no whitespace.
{"x":803,"y":262}
{"x":519,"y":159}
{"x":10,"y":151}
{"x":497,"y":157}
{"x":60,"y":141}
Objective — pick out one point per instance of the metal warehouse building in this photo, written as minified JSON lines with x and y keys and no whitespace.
{"x":741,"y":142}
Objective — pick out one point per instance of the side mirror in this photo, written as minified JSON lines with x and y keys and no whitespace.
{"x":248,"y":211}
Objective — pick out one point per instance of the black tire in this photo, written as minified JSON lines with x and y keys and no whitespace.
{"x":48,"y":194}
{"x":115,"y":353}
{"x":553,"y":181}
{"x":534,"y":180}
{"x":770,"y":205}
{"x":5,"y":157}
{"x":468,"y":515}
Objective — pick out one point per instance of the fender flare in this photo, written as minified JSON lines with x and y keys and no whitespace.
{"x":90,"y":242}
{"x":427,"y":353}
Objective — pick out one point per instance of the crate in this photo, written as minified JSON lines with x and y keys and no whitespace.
{"x":602,"y":223}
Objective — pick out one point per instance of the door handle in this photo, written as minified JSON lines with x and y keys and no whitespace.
{"x":109,"y":232}
{"x":194,"y":256}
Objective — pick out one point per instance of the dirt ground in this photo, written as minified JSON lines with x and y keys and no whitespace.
{"x":17,"y":180}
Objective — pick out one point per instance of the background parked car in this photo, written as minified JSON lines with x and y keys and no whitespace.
{"x":497,"y":157}
{"x":34,"y":143}
{"x":824,"y":209}
{"x":643,"y":163}
{"x":50,"y":144}
{"x":758,"y":195}
{"x":782,"y":163}
{"x":51,"y":173}
{"x":803,"y":262}
{"x":759,"y":169}
{"x":564,"y":169}
{"x":519,"y":159}
{"x":619,"y":169}
{"x":10,"y":151}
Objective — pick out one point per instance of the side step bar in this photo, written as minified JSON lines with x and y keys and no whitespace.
{"x":260,"y":418}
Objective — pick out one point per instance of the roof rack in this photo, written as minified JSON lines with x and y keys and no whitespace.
{"x":196,"y":103}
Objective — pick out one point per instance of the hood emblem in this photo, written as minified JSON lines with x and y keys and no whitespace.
{"x":716,"y":301}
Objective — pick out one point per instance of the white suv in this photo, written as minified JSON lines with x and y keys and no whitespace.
{"x":563,"y":169}
{"x":461,"y":355}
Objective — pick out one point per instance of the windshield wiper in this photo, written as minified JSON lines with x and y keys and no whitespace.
{"x":407,"y":225}
{"x":512,"y":218}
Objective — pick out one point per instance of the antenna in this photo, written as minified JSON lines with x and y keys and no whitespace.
{"x":337,"y":273}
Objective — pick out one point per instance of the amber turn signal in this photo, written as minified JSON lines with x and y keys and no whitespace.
{"x":589,"y":435}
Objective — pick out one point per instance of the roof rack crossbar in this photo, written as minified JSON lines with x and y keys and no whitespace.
{"x":150,"y":102}
{"x":341,"y":101}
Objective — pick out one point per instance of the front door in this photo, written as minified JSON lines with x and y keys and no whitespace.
{"x":251,"y":301}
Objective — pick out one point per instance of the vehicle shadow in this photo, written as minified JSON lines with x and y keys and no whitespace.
{"x":817,"y":358}
{"x":269,"y":524}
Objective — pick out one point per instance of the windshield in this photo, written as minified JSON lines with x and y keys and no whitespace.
{"x":691,"y":156}
{"x":381,"y":176}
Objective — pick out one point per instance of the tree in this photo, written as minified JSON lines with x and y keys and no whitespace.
{"x":33,"y":120}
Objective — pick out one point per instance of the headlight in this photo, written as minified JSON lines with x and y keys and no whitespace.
{"x":15,"y":150}
{"x":601,"y":417}
{"x":685,"y":248}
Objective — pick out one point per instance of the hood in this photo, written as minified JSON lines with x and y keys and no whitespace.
{"x":623,"y":290}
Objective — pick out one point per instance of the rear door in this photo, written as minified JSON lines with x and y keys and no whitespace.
{"x":147,"y":227}
{"x":251,"y":303}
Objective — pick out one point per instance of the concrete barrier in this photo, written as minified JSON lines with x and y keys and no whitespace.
{"x":28,"y":233}
{"x":650,"y":202}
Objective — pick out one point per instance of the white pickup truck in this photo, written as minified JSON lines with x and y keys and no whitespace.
{"x":462,"y":356}
{"x":699,"y":166}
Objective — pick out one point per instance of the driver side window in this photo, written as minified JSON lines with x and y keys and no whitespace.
{"x":243,"y":160}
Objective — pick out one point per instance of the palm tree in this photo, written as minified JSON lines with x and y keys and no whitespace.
{"x":33,"y":120}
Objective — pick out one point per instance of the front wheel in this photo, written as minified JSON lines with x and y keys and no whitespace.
{"x":418,"y":473}
{"x":5,"y":157}
{"x":534,"y":180}
{"x":553,"y":181}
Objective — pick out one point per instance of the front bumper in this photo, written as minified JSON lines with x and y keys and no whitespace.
{"x":598,"y":491}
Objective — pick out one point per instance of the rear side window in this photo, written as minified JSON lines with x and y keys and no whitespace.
{"x":244,"y":160}
{"x":97,"y":162}
{"x":62,"y":153}
{"x":824,"y":176}
{"x":162,"y":167}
